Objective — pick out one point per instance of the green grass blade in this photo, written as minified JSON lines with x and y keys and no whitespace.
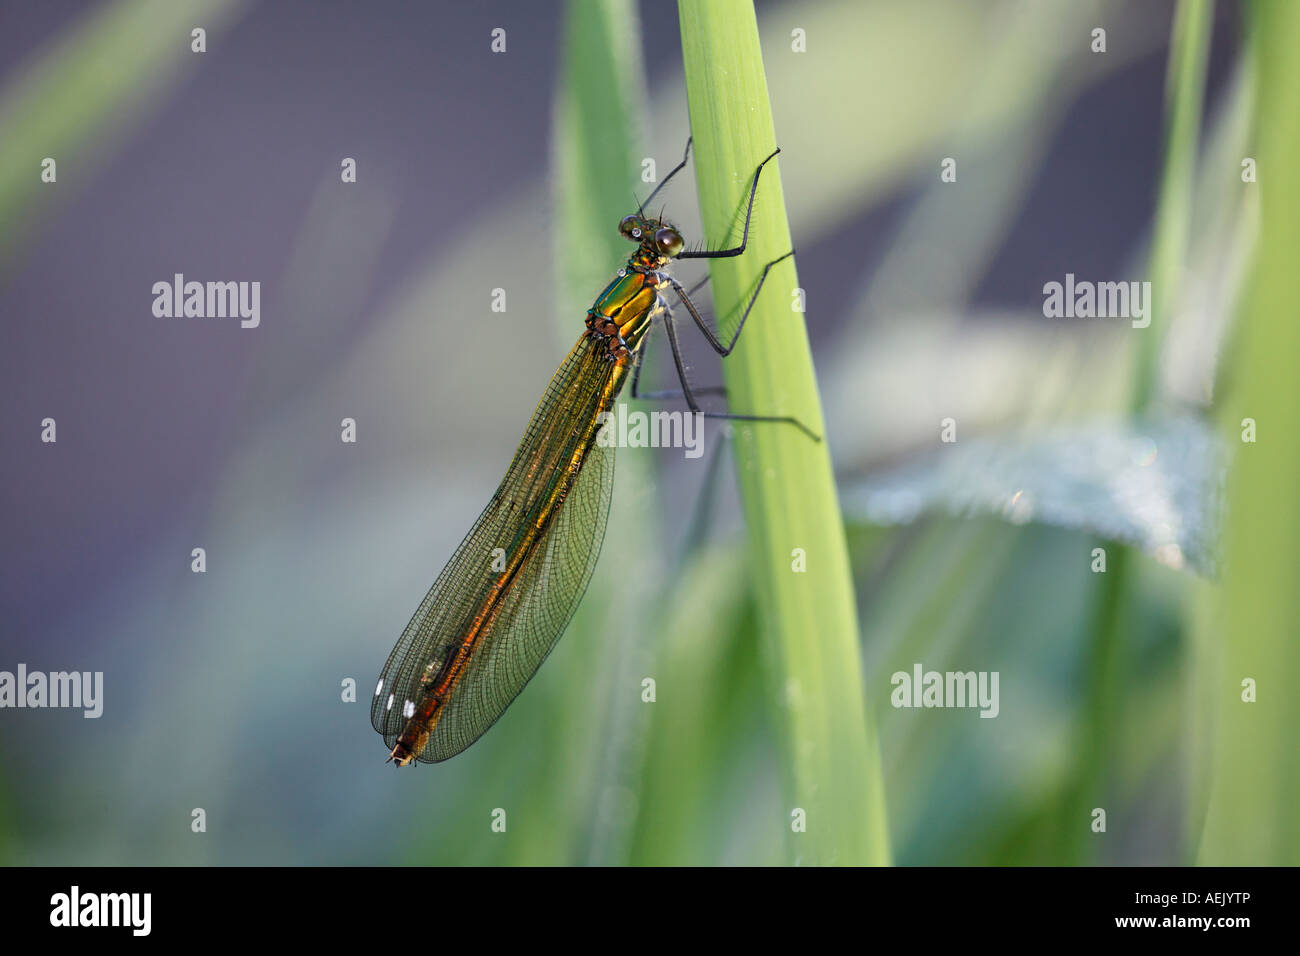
{"x":787,"y":486}
{"x":596,"y":158}
{"x":1096,"y":772}
{"x":1189,"y":56}
{"x":596,"y":153}
{"x":1252,"y":817}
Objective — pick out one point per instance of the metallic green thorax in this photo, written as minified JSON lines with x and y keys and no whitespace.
{"x":624,"y":309}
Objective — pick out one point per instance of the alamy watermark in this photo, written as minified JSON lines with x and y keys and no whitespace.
{"x":1073,"y":299}
{"x":75,"y":908}
{"x":65,"y":689}
{"x":209,"y":300}
{"x":626,"y":428}
{"x":923,"y":688}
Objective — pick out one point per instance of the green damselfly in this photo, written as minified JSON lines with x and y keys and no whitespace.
{"x":486,"y":625}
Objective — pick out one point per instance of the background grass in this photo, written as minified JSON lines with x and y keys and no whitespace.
{"x":1109,"y":663}
{"x":82,"y":96}
{"x":1254,"y":776}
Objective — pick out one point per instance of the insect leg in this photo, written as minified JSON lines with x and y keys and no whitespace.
{"x":749,"y":211}
{"x":685,"y":296}
{"x":689,"y":394}
{"x":664,"y":182}
{"x":663,"y":395}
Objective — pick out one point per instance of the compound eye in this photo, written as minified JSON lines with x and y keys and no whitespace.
{"x":630,"y":228}
{"x":669,"y":241}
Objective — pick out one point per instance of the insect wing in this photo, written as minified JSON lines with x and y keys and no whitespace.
{"x":535,"y":612}
{"x":559,"y":562}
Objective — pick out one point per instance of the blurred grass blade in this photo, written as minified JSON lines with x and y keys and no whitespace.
{"x":1097,"y":770}
{"x":809,"y":619}
{"x":78,"y":97}
{"x":596,"y":158}
{"x":708,"y":798}
{"x":1189,"y":56}
{"x":1252,"y":816}
{"x":596,"y":149}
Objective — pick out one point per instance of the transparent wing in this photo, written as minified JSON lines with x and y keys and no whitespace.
{"x":558,"y":430}
{"x":534,"y":614}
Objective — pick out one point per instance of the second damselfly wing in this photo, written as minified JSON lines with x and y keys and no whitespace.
{"x":507,"y":594}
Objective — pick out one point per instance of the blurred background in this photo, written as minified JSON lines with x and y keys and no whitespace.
{"x":226,"y":690}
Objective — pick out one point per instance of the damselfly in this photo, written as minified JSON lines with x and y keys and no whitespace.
{"x":489,"y":621}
